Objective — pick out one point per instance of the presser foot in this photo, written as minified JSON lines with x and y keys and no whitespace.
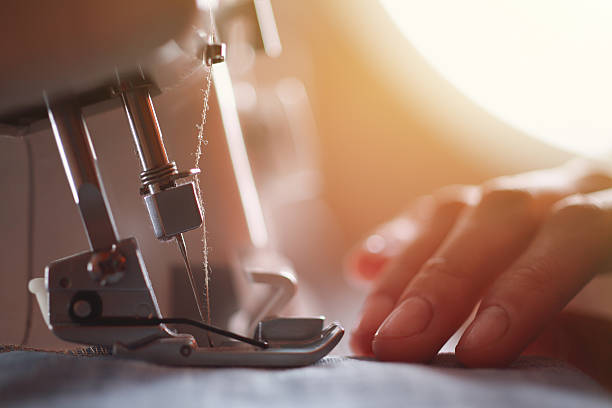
{"x":290,"y":342}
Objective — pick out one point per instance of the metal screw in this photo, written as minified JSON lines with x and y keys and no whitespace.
{"x":64,"y":283}
{"x":185,"y":351}
{"x":82,"y":309}
{"x":107,"y":267}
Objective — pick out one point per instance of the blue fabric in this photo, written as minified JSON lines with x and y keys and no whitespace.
{"x":37,"y":379}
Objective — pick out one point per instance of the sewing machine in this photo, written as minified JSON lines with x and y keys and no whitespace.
{"x":104,"y":296}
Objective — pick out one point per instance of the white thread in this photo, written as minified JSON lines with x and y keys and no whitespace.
{"x":201,"y":141}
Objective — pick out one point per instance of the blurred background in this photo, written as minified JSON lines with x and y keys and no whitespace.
{"x":361,"y":107}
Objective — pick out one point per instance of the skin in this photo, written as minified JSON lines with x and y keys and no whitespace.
{"x":516,"y":250}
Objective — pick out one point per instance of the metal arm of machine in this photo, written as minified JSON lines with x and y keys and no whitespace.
{"x":173,"y":208}
{"x":80,"y":163}
{"x":145,"y":129}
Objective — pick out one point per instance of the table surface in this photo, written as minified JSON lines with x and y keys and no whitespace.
{"x":34,"y":378}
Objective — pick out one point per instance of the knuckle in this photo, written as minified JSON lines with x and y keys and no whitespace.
{"x":455,"y":197}
{"x":496,"y":195}
{"x":444,"y":202}
{"x":591,"y":175}
{"x":578,"y":208}
{"x":439,"y":270}
{"x":593,"y":181}
{"x":445,"y":282}
{"x":453,"y":193}
{"x":448,"y":209}
{"x":531,"y":279}
{"x":534,"y":280}
{"x":506,"y":204}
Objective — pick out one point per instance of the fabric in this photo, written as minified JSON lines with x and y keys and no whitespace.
{"x":35,"y":379}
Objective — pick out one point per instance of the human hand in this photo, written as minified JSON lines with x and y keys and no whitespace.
{"x":523,"y":246}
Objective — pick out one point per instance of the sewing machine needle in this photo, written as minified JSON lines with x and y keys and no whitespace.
{"x":204,"y":314}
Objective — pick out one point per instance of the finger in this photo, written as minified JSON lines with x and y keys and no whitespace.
{"x":388,"y":241}
{"x":368,"y":259}
{"x":481,"y":245}
{"x":431,"y":225}
{"x":448,"y":285}
{"x":571,"y":247}
{"x":582,"y":340}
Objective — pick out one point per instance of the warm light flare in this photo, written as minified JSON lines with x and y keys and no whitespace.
{"x":543,"y":66}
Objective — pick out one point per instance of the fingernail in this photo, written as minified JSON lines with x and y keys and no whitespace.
{"x":489,"y":326}
{"x":411,"y":317}
{"x":375,"y":310}
{"x":368,"y":265}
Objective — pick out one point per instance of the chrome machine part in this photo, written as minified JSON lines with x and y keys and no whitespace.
{"x":104,"y":296}
{"x":172,"y":209}
{"x":265,"y":283}
{"x":80,"y":163}
{"x":107,"y":266}
{"x":300,"y":348}
{"x":111,"y":278}
{"x":76,"y":302}
{"x":159,"y":174}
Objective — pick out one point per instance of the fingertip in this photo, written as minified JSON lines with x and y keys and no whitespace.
{"x":361,"y":343}
{"x":486,"y":342}
{"x":403,"y":335}
{"x":375,"y":310}
{"x":366,"y":265}
{"x":367,"y":260}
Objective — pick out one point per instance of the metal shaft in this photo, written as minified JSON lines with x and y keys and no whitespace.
{"x":156,"y":166}
{"x":80,"y":163}
{"x":145,"y":128}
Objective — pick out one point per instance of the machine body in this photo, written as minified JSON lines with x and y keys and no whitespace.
{"x":104,"y":296}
